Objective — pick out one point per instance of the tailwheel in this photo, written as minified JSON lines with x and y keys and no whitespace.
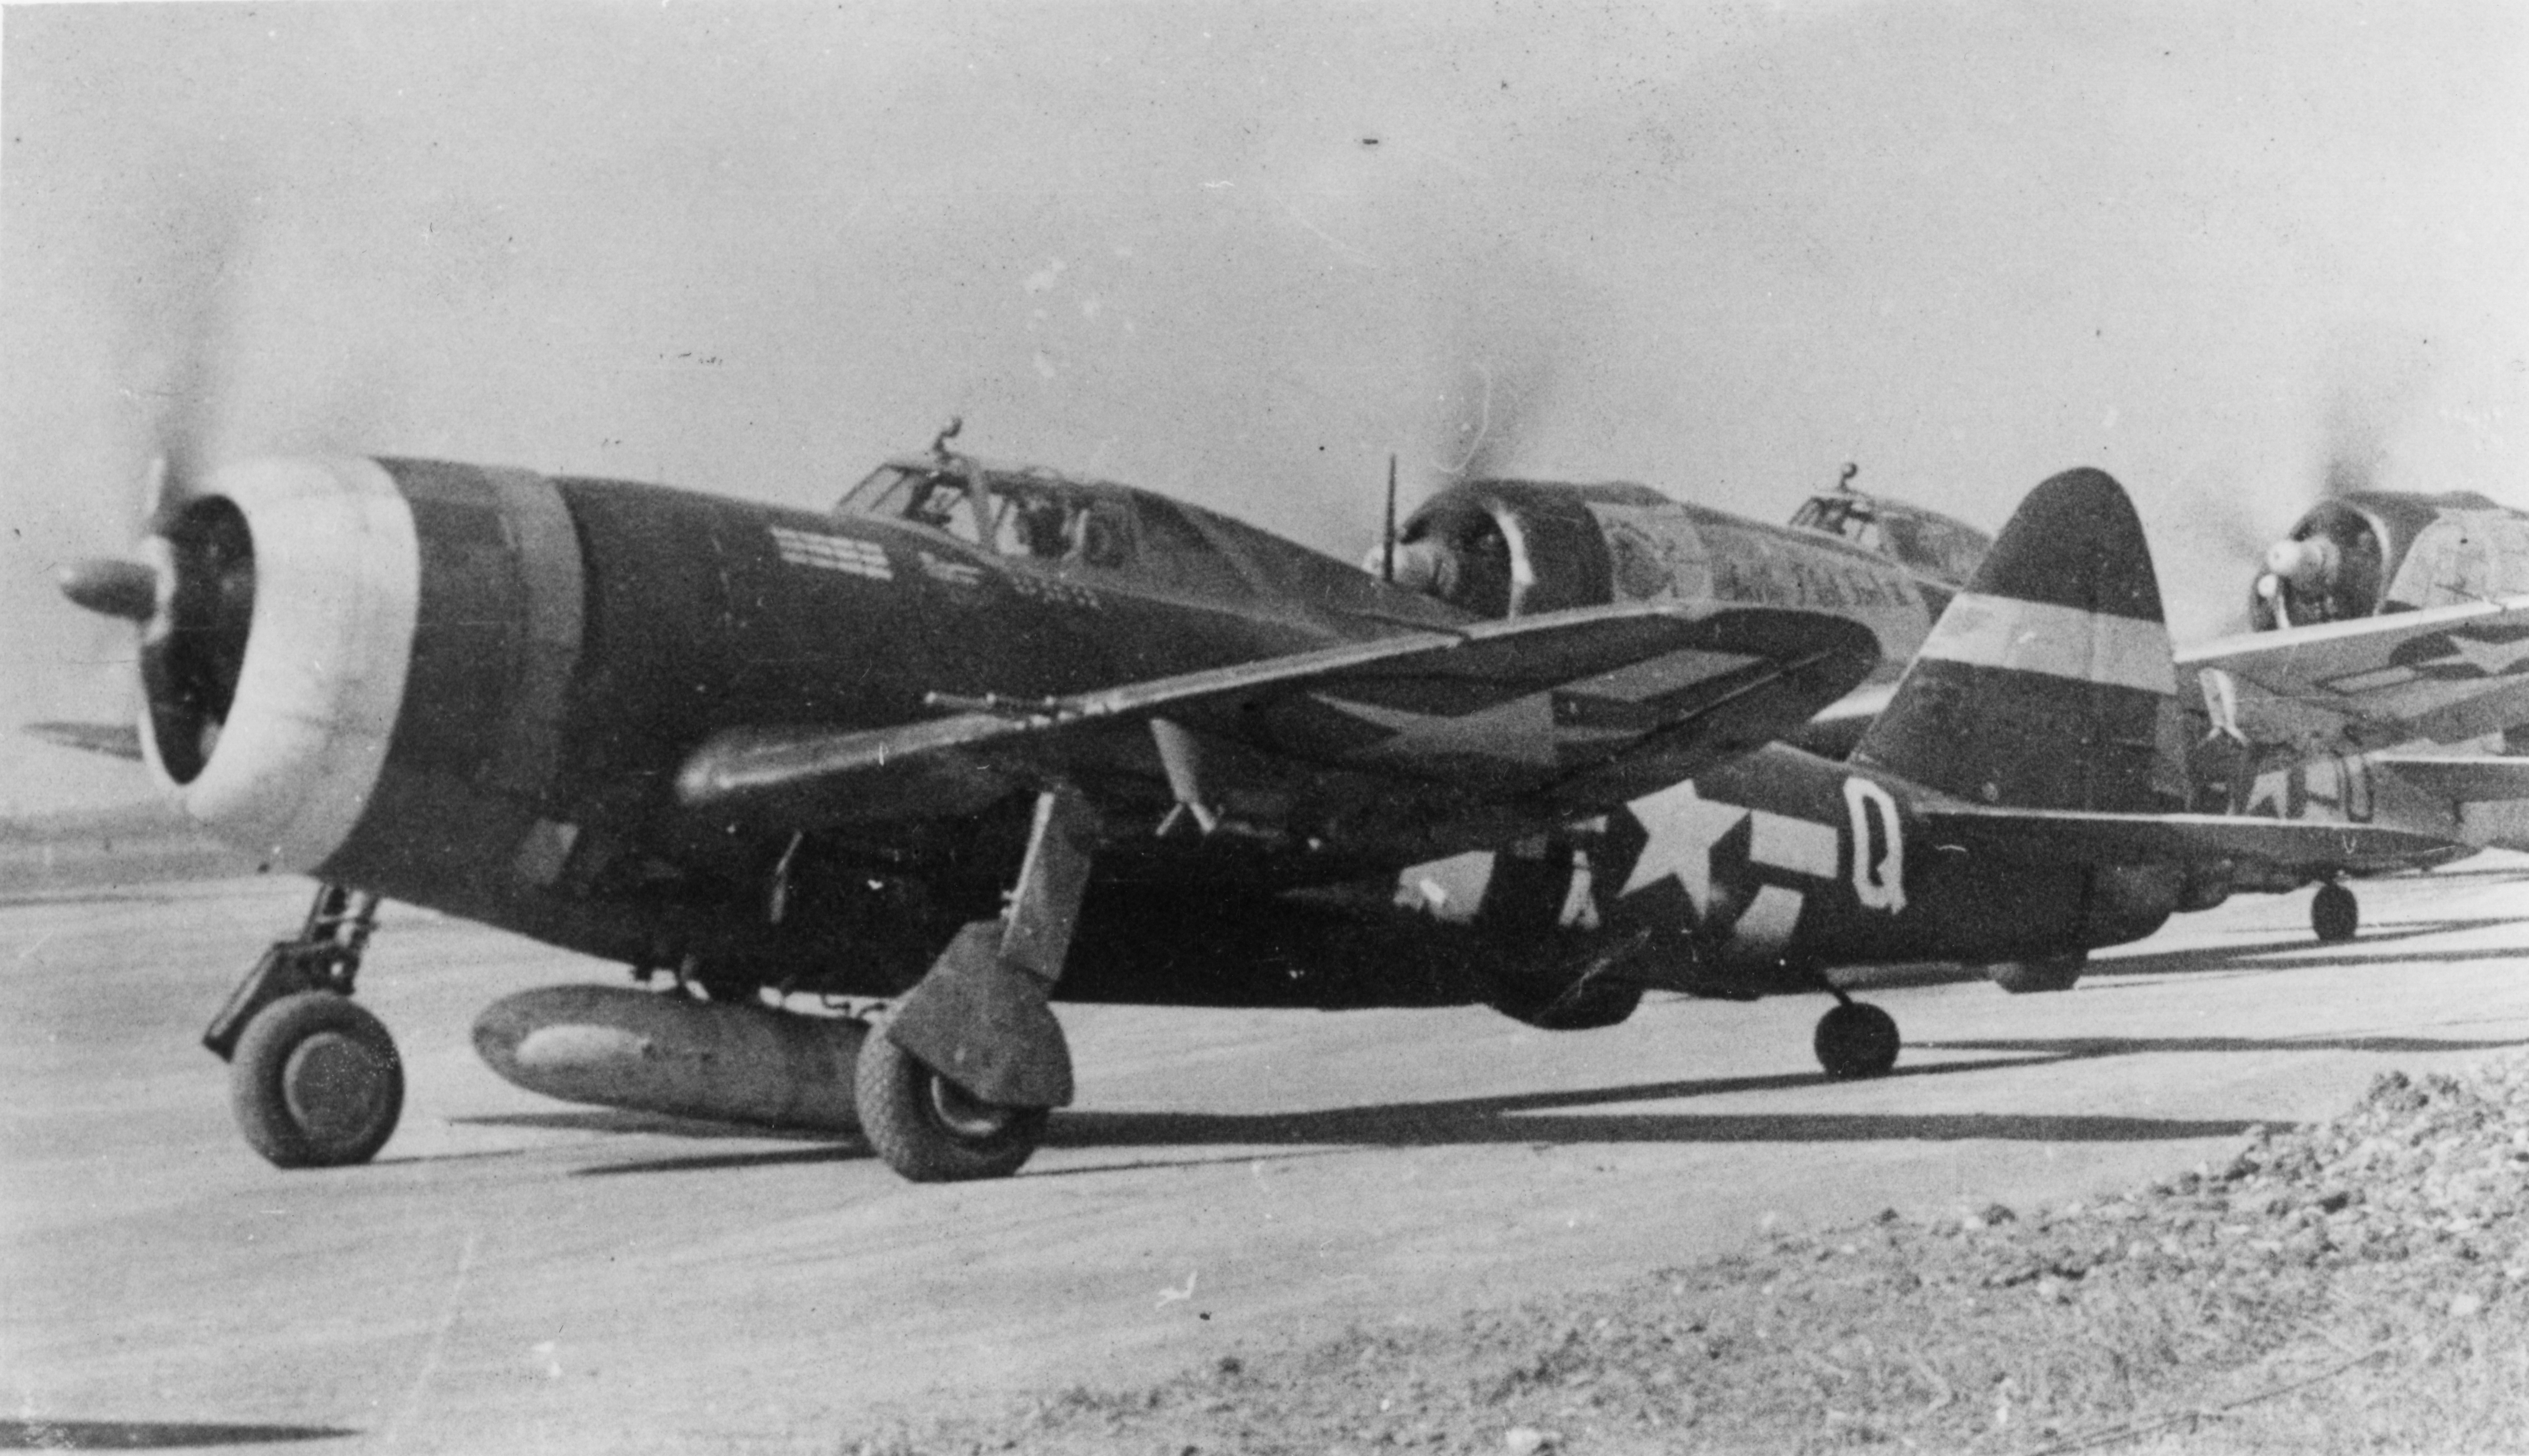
{"x":2030,"y":977}
{"x":316,"y":1082}
{"x":930,"y":1130}
{"x":2335,"y":914}
{"x":1856,"y":1039}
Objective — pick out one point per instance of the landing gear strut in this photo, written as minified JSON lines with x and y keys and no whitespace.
{"x":313,"y":1078}
{"x":1856,"y":1040}
{"x":2335,"y":914}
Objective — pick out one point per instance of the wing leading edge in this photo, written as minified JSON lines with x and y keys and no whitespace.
{"x":1560,"y":712}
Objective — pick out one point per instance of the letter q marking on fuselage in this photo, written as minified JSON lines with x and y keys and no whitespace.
{"x":1878,"y":880}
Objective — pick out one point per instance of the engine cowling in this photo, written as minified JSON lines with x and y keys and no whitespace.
{"x":2330,"y":568}
{"x":361,"y":666}
{"x":1498,"y":548}
{"x":2371,"y":552}
{"x":275,"y":674}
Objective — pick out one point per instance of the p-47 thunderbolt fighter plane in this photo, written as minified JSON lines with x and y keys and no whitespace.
{"x":1500,"y":548}
{"x":976,"y":739}
{"x":2387,"y":681}
{"x":2012,"y":807}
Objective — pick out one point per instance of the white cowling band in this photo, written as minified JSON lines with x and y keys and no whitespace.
{"x":337,"y":590}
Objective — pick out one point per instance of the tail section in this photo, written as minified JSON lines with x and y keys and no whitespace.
{"x":2043,"y":684}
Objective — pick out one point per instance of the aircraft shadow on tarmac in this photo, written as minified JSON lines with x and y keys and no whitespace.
{"x":614,"y":1120}
{"x":2082,"y":1048}
{"x":2310,"y":955}
{"x":1551,"y":1118}
{"x":150,"y":1435}
{"x":1540,"y":1119}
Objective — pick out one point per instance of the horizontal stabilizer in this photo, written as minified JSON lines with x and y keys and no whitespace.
{"x":2445,"y":673}
{"x":2461,"y":779}
{"x":2067,"y":837}
{"x":113,"y":739}
{"x":1553,"y":706}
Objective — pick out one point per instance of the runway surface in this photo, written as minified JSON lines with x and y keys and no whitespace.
{"x":518,"y":1274}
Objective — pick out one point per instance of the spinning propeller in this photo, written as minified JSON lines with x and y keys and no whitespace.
{"x":1476,"y":437}
{"x":188,"y":583}
{"x":2329,"y":567}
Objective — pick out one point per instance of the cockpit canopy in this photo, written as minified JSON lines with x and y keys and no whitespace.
{"x":1922,"y":541}
{"x":1066,"y":525}
{"x":1043,"y":519}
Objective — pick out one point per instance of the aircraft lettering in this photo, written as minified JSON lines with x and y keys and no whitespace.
{"x":1878,"y":857}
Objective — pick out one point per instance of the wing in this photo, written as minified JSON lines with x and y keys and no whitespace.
{"x":2071,"y":836}
{"x":113,"y":739}
{"x":2446,"y":673}
{"x":2460,"y":777}
{"x":1559,"y":713}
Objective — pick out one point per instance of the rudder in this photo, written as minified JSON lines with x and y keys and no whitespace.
{"x":2044,"y":683}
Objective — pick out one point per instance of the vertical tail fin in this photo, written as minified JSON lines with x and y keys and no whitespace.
{"x":2042,"y":685}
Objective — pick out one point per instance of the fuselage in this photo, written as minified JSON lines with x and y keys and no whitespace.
{"x":1754,"y":878}
{"x":472,"y":688}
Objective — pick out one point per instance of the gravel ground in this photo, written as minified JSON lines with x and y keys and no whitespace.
{"x":2356,"y":1285}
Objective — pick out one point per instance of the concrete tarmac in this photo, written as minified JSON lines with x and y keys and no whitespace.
{"x":518,"y":1274}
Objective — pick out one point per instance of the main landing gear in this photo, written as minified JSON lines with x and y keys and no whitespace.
{"x":2335,"y":914}
{"x":313,"y":1078}
{"x":958,"y":1084}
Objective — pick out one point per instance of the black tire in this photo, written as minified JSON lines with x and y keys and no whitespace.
{"x":316,"y":1082}
{"x":2335,"y":914}
{"x":1856,"y":1039}
{"x":2031,"y":977}
{"x":929,"y":1129}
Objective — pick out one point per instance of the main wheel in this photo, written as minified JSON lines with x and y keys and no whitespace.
{"x":1856,"y":1039}
{"x":2335,"y":914}
{"x":2028,"y":976}
{"x":930,"y":1129}
{"x":316,"y":1082}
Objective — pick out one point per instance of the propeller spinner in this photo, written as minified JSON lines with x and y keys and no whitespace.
{"x":190,"y":588}
{"x":113,"y":586}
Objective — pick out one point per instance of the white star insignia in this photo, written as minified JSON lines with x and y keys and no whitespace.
{"x":2493,"y":658}
{"x":1683,"y":826}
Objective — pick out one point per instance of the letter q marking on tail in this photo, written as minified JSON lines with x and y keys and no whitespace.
{"x":1878,"y":858}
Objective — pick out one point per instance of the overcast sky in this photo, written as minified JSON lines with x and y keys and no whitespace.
{"x":1242,"y":252}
